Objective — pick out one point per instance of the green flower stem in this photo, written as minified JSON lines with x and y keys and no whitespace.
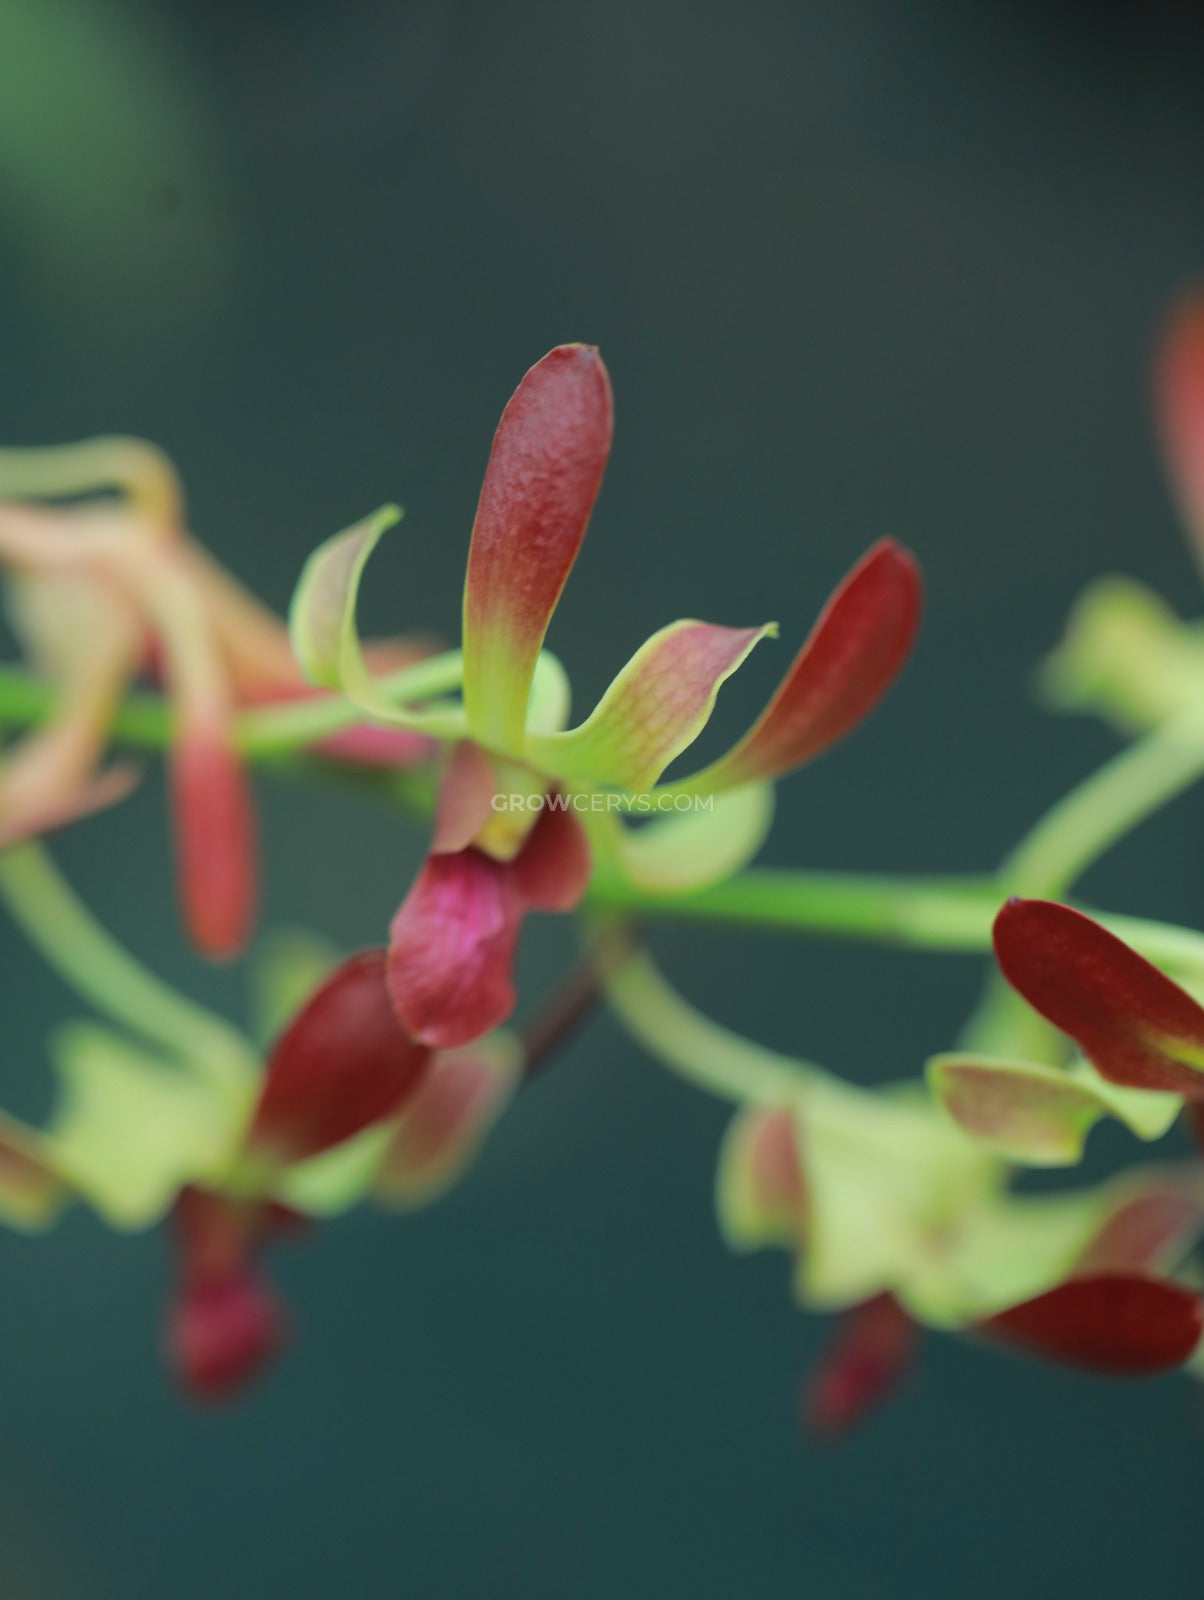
{"x":944,"y":914}
{"x":71,"y":941}
{"x":265,"y":734}
{"x":1108,"y":805}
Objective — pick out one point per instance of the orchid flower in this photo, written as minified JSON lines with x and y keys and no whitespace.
{"x":453,"y":939}
{"x":895,"y":1218}
{"x":97,"y":590}
{"x":348,"y":1107}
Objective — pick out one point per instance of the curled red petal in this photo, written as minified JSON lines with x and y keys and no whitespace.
{"x":1138,"y":1027}
{"x":544,"y":472}
{"x":552,"y":871}
{"x":215,"y":841}
{"x":874,"y":1346}
{"x":1117,"y":1323}
{"x":1179,"y":400}
{"x":343,"y":1063}
{"x":853,"y":655}
{"x":451,"y":949}
{"x":222,"y":1333}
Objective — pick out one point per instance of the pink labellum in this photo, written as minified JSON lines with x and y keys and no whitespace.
{"x":342,"y":1064}
{"x":451,"y":948}
{"x":1179,"y":398}
{"x":544,"y":472}
{"x":1117,"y":1323}
{"x":1132,"y":1022}
{"x":853,"y":655}
{"x":215,"y":841}
{"x":874,"y":1346}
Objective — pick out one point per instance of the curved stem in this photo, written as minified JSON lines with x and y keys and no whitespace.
{"x":80,"y":950}
{"x":1102,"y":810}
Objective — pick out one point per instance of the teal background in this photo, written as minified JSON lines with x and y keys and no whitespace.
{"x":856,"y":268}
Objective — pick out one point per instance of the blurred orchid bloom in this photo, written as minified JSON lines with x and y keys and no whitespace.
{"x":1071,"y":1278}
{"x":348,"y":1108}
{"x":100,"y":588}
{"x":493,"y":860}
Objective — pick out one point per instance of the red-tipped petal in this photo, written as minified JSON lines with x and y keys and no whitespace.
{"x":465,"y":798}
{"x":543,"y":476}
{"x":1138,"y":1027}
{"x":1179,"y":399}
{"x":451,"y":949}
{"x":552,"y":871}
{"x":873,"y":1348}
{"x":343,"y":1063}
{"x":1115,"y":1323}
{"x":222,"y":1333}
{"x":215,"y":841}
{"x":853,"y":655}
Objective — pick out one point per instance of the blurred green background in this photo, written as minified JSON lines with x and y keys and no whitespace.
{"x":857,"y":268}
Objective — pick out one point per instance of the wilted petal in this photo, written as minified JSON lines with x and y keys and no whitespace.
{"x":446,"y":1121}
{"x":1117,"y":1323}
{"x":451,"y":949}
{"x":552,"y":870}
{"x":1132,"y":1022}
{"x":543,"y":476}
{"x":342,"y":1064}
{"x":1179,"y":395}
{"x":853,"y":655}
{"x":873,"y":1348}
{"x":656,"y":707}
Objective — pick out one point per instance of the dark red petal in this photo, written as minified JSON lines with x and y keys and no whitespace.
{"x":1179,"y":398}
{"x":853,"y":655}
{"x":222,"y":1333}
{"x":1114,"y":1323}
{"x":343,"y":1063}
{"x":1138,"y":1027}
{"x":552,"y":870}
{"x":873,"y":1348}
{"x":215,"y":842}
{"x":452,"y":947}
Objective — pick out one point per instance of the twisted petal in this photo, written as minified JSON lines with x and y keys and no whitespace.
{"x":656,"y":707}
{"x":1036,"y":1114}
{"x":1149,"y":1225}
{"x":322,"y":627}
{"x":1122,"y":1324}
{"x":544,"y":472}
{"x":342,"y":1064}
{"x":854,"y":653}
{"x":1134,"y":1024}
{"x":760,"y":1195}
